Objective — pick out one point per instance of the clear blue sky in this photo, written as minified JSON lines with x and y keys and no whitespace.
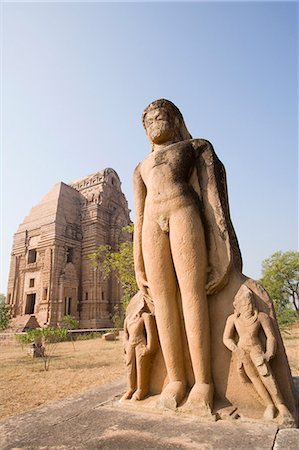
{"x":76,"y":77}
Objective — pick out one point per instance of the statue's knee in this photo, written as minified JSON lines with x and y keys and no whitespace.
{"x":129,"y":363}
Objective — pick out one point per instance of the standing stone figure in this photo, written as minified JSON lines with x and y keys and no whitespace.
{"x":173,"y":264}
{"x":188,"y":263}
{"x":252,"y":359}
{"x":140,"y":344}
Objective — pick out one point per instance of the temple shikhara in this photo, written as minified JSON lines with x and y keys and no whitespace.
{"x":50,"y":273}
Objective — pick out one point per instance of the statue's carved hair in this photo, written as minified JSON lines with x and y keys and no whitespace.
{"x":243,"y":297}
{"x":174,"y":112}
{"x":138,"y":304}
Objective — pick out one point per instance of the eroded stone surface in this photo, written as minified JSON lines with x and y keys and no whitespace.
{"x":189,"y":269}
{"x":287,"y":440}
{"x":242,"y":336}
{"x":140,"y":345}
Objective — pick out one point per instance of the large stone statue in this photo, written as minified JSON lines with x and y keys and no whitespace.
{"x":188,"y":266}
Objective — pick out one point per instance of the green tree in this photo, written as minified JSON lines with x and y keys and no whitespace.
{"x":117,"y":317}
{"x":5,"y":313}
{"x":121,"y":263}
{"x":48,"y":337}
{"x":280,"y":277}
{"x":69,"y":322}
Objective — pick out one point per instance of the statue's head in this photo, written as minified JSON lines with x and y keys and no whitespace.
{"x":244,"y":303}
{"x":139,"y":304}
{"x":163,"y":122}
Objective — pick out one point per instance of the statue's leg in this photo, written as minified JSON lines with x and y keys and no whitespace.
{"x":273,"y":389}
{"x":163,"y":287}
{"x":190,"y":260}
{"x":131,"y":372}
{"x":143,"y":372}
{"x":258,"y":384}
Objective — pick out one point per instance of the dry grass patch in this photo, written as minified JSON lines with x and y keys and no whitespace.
{"x":24,"y":384}
{"x":291,"y":342}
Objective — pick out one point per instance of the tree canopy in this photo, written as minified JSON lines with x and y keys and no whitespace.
{"x":5,"y":313}
{"x":121,"y":263}
{"x":280,"y":277}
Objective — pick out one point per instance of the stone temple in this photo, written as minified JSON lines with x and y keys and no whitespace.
{"x":50,"y":272}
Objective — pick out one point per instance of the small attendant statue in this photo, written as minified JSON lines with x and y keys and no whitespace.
{"x":252,"y":358}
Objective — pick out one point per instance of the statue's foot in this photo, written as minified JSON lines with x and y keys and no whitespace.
{"x":269,"y":413}
{"x":173,"y":394}
{"x":286,"y":419}
{"x":140,"y":394}
{"x":200,"y":398}
{"x":128,"y":394}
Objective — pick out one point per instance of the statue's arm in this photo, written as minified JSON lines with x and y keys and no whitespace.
{"x":228,"y":335}
{"x":126,"y":336}
{"x":222,"y":244}
{"x":271,"y":344}
{"x":151,"y":332}
{"x":139,"y":201}
{"x":126,"y":332}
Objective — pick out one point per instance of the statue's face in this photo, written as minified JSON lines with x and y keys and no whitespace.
{"x":158,"y":126}
{"x":246,"y":308}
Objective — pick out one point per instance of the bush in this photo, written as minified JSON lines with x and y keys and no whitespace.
{"x":69,"y":322}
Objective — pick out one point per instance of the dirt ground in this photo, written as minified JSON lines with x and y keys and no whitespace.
{"x":291,"y":342}
{"x":25,"y":385}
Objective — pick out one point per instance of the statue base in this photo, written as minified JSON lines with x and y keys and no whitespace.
{"x":151,"y":405}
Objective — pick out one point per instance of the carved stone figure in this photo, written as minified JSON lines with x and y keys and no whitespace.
{"x":188,"y":262}
{"x":140,"y":344}
{"x":253,"y":359}
{"x":173,"y":263}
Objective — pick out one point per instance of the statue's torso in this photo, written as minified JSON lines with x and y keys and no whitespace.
{"x":248,"y":334}
{"x":166,"y":174}
{"x":135,"y":327}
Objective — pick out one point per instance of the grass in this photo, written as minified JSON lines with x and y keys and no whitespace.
{"x":291,"y":343}
{"x":25,"y":385}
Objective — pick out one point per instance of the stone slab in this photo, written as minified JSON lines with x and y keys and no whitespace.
{"x":287,"y":440}
{"x":88,"y":421}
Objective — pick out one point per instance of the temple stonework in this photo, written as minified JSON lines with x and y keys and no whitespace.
{"x":50,"y":272}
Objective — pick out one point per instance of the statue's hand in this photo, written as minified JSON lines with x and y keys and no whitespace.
{"x":126,"y":343}
{"x":211,"y":288}
{"x":142,"y":283}
{"x":240,"y":353}
{"x":268,"y":356}
{"x":146,"y":351}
